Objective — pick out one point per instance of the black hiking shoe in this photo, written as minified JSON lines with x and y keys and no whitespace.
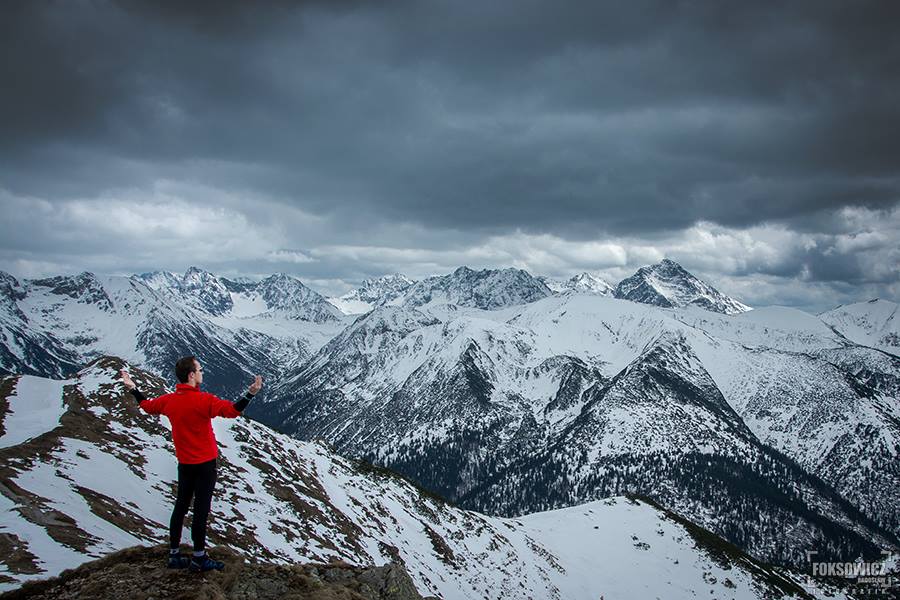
{"x":204,"y":563}
{"x":178,"y":561}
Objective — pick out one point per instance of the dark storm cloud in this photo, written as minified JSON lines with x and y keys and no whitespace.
{"x":523,"y":115}
{"x":439,"y":128}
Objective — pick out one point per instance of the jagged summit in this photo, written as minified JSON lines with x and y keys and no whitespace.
{"x":85,"y":288}
{"x":380,"y":289}
{"x":10,"y":287}
{"x":373,"y":292}
{"x":159,"y":280}
{"x":200,"y":288}
{"x":206,"y":291}
{"x":288,"y":295}
{"x":278,"y":294}
{"x":583,"y":283}
{"x":588,"y":282}
{"x":669,"y":285}
{"x":487,"y":289}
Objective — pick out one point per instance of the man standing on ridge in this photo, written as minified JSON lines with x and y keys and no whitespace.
{"x":190,"y":413}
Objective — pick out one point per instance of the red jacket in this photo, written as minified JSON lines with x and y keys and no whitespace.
{"x":190,"y":412}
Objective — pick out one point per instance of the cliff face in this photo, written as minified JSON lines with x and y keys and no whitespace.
{"x":139,"y":573}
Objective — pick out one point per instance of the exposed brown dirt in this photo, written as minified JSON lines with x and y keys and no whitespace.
{"x":7,"y":385}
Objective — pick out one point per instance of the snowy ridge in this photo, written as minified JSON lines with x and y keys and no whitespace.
{"x":102,"y":480}
{"x":486,"y":289}
{"x":371,"y":293}
{"x":875,"y":323}
{"x":278,"y":295}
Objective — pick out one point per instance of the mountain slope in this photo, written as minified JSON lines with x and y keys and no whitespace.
{"x":662,"y":428}
{"x":875,"y":323}
{"x":461,"y":398}
{"x":99,"y":478}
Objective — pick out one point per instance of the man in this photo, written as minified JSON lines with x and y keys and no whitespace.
{"x":190,"y":412}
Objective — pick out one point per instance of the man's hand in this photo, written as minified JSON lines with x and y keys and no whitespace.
{"x":126,"y":379}
{"x":255,"y":386}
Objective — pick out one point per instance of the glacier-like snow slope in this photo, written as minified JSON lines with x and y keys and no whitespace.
{"x":33,"y":408}
{"x":479,"y":391}
{"x":104,"y":478}
{"x":875,"y":323}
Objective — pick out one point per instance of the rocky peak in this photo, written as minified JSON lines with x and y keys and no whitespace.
{"x":10,"y":288}
{"x":159,"y":280}
{"x":138,"y":571}
{"x":487,"y":289}
{"x":206,"y":291}
{"x":587,"y":282}
{"x":380,"y":289}
{"x":288,"y":294}
{"x":84,"y":288}
{"x":669,"y":285}
{"x":10,"y":292}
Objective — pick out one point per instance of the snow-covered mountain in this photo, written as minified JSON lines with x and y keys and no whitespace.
{"x":372,"y":292}
{"x":574,"y":397}
{"x":52,"y":326}
{"x":160,"y":280}
{"x":581,"y":283}
{"x":875,"y":323}
{"x":667,"y":284}
{"x":588,"y":282}
{"x":487,"y":289}
{"x":470,"y":382}
{"x":281,"y":296}
{"x":278,"y":295}
{"x":84,"y":473}
{"x":25,"y":348}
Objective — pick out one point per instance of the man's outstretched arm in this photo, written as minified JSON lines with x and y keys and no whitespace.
{"x":148,"y":406}
{"x":230,"y":410}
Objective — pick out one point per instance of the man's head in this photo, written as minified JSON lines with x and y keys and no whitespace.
{"x":189,"y":371}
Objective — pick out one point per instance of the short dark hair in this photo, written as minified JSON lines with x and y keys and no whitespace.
{"x":184,"y":367}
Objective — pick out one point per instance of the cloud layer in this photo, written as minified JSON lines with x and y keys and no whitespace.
{"x":342,"y":140}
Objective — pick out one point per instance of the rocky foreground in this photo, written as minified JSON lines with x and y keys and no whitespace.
{"x":140,"y":573}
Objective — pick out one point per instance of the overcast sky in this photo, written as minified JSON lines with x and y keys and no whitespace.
{"x":334,"y":141}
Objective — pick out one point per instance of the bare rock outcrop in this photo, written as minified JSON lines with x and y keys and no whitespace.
{"x":140,"y":573}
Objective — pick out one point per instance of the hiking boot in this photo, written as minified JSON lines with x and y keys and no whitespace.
{"x":204,"y":563}
{"x":178,"y":561}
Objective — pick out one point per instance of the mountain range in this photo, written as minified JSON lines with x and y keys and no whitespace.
{"x":773,"y":428}
{"x":85,"y":473}
{"x":572,"y":398}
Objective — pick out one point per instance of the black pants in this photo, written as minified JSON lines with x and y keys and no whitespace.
{"x":195,"y":481}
